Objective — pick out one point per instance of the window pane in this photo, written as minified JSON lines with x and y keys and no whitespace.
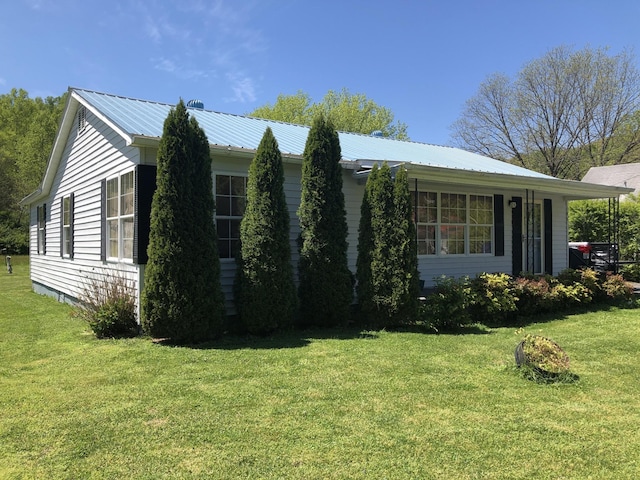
{"x":224,"y":250}
{"x":113,"y":237}
{"x":238,"y":186}
{"x":223,"y":206}
{"x":223,"y":227}
{"x":112,"y":198}
{"x":237,"y":206}
{"x":223,"y":185}
{"x":452,"y":240}
{"x":66,"y":204}
{"x":480,"y":239}
{"x":126,"y":194}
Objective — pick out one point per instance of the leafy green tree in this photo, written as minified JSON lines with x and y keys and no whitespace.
{"x":348,"y":112}
{"x":27,"y":131}
{"x":563,"y":113}
{"x":265,"y":291}
{"x":325,"y":288}
{"x":592,"y":221}
{"x":182,"y":297}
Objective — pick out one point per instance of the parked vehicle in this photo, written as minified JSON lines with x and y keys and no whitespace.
{"x":601,"y":256}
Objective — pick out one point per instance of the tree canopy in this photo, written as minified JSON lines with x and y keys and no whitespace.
{"x":562,"y":113}
{"x":348,"y":112}
{"x":27,"y":131}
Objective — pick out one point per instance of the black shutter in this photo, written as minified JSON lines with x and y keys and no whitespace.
{"x":498,"y":220}
{"x":103,"y":220}
{"x":548,"y":237}
{"x":516,"y":236}
{"x":145,"y":186}
{"x":71,"y":222}
{"x":44,"y":228}
{"x":62,"y":226}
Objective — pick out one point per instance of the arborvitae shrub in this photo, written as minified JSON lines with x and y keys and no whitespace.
{"x":265,"y":292}
{"x":326,"y":287}
{"x":182,"y":298}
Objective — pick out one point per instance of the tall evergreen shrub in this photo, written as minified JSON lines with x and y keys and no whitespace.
{"x":388,"y":280}
{"x":325,"y":289}
{"x":182,"y":297}
{"x":265,"y":291}
{"x":404,"y":254}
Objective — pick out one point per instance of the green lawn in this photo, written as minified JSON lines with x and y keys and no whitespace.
{"x":311,"y":405}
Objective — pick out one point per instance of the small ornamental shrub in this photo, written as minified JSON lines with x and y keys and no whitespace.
{"x":616,"y":290}
{"x":534,"y":295}
{"x":447,"y":307}
{"x":107,"y":304}
{"x":631,"y":272}
{"x":493,"y":298}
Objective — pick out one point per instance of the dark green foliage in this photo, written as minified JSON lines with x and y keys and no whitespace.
{"x":406,"y":280}
{"x":388,"y":282}
{"x":265,"y":292}
{"x":631,"y":272}
{"x":182,"y":297}
{"x":108,"y":305}
{"x":325,"y":289}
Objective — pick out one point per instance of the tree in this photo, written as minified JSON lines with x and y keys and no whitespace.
{"x":388,"y":279}
{"x":265,"y":291}
{"x":404,"y":254}
{"x":182,"y":297}
{"x":27,"y":131}
{"x":325,"y":284}
{"x":348,"y":112}
{"x":563,"y":113}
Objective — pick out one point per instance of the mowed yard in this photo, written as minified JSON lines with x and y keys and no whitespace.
{"x":314,"y":404}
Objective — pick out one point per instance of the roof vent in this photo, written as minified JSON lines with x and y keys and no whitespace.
{"x":195,"y":104}
{"x":376,"y":133}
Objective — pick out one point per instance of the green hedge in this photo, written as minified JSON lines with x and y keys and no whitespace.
{"x":499,"y":299}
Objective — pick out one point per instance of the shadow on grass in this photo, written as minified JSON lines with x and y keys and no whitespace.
{"x":294,"y":338}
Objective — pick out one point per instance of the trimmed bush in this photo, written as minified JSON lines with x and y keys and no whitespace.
{"x":265,"y":293}
{"x":326,"y":285}
{"x":447,"y":307}
{"x":493,"y":298}
{"x":631,"y":272}
{"x":182,"y":298}
{"x":108,"y":305}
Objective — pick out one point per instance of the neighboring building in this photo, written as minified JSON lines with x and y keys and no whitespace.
{"x":90,"y":214}
{"x":623,"y":175}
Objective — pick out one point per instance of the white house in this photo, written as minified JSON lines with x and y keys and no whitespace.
{"x":90,"y":214}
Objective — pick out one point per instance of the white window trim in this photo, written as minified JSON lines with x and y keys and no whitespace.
{"x":466,"y":225}
{"x":120,"y":218}
{"x":67,"y":237}
{"x":227,"y":217}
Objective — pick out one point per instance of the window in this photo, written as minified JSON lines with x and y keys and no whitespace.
{"x":119,"y":216}
{"x":66,"y":221}
{"x":231,"y":195}
{"x":41,"y":214}
{"x":453,"y":223}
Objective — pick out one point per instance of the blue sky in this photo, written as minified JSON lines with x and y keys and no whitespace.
{"x":421,"y":59}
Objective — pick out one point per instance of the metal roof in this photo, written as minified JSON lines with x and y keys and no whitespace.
{"x":145,"y":118}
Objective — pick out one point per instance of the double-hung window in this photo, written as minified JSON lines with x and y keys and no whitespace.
{"x":41,"y":213}
{"x":66,"y":222}
{"x":231,"y":197}
{"x":119,"y":216}
{"x":453,"y":223}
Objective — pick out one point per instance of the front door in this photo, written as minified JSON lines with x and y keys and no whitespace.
{"x":533,"y":251}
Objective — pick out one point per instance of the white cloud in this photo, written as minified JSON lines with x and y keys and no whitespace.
{"x":243,"y":88}
{"x":3,"y":82}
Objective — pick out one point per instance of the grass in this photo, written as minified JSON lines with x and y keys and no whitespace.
{"x":312,"y":405}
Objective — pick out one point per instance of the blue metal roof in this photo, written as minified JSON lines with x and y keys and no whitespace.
{"x":145,"y":118}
